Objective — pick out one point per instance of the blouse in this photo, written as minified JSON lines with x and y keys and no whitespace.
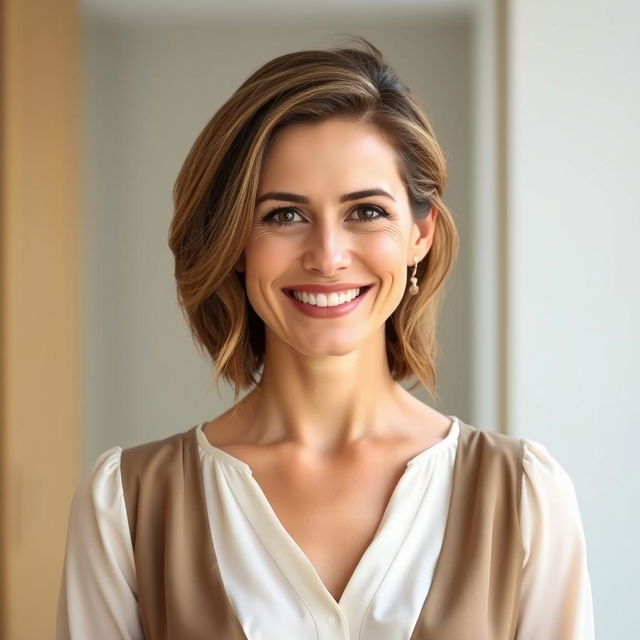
{"x":275,"y":590}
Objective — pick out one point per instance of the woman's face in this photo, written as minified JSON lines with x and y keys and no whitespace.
{"x":311,"y":227}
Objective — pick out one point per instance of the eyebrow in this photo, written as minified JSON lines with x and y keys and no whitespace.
{"x":294,"y":197}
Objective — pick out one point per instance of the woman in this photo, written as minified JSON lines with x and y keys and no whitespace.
{"x":329,"y":502}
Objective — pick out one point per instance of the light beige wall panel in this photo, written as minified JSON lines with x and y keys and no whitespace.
{"x":39,"y":306}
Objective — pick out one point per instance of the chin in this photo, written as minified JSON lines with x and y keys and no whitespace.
{"x":327,"y":347}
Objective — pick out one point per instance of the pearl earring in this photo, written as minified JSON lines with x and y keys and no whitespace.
{"x":413,"y":289}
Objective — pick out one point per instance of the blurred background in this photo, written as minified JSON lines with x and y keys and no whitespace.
{"x":536,"y":105}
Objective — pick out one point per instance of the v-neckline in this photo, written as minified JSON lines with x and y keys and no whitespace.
{"x":222,"y":455}
{"x":292,"y":560}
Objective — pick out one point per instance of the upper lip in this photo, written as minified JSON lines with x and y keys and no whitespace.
{"x":327,"y":288}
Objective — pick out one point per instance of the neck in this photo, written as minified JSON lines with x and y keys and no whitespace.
{"x":326,"y":402}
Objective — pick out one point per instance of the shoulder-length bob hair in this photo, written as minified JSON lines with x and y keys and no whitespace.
{"x":216,"y":189}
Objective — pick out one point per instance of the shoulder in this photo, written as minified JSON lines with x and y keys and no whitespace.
{"x":157,"y":454}
{"x":536,"y":464}
{"x":158,"y":472}
{"x":545,"y":479}
{"x":97,"y":515}
{"x":538,"y":460}
{"x":550,"y":516}
{"x":491,"y":463}
{"x":101,"y":486}
{"x":491,"y":445}
{"x":98,"y":586}
{"x":549,"y":508}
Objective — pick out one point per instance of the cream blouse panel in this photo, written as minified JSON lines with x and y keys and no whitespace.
{"x":273,"y":587}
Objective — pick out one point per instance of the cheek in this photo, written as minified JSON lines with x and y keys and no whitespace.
{"x":266,"y":254}
{"x":266,"y":259}
{"x":388,"y":258}
{"x":386,"y":251}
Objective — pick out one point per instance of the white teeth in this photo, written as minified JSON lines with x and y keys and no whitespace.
{"x":332,"y":299}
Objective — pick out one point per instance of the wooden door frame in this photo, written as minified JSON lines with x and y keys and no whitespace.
{"x":39,"y":306}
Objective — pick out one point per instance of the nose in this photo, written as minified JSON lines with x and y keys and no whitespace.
{"x":328,"y":251}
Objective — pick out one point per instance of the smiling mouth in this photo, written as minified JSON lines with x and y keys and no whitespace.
{"x":323,"y":298}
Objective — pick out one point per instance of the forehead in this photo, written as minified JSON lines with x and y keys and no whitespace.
{"x":338,"y":153}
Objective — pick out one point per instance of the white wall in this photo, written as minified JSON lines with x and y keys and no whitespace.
{"x":574,"y":304}
{"x":482,"y":236}
{"x":149,"y":90}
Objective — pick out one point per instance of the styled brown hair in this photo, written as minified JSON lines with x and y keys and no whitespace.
{"x":216,"y":189}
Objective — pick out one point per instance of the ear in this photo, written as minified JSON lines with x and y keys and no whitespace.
{"x":422,"y":236}
{"x":240,"y":265}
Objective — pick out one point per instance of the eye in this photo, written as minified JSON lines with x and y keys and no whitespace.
{"x":372,"y":213}
{"x":284,"y":216}
{"x":273,"y":216}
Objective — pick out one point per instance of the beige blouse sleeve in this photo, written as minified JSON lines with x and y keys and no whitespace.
{"x":98,"y":589}
{"x":556,"y":602}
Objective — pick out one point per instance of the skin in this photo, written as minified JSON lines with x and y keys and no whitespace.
{"x":328,"y":432}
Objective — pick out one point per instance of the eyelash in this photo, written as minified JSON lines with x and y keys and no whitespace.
{"x":269,"y":217}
